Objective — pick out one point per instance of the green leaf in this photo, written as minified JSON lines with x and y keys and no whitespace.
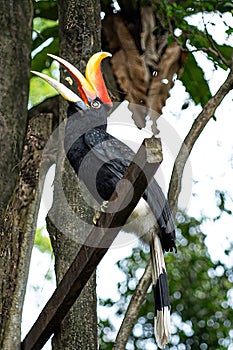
{"x":226,"y":51}
{"x":227,"y":6}
{"x":41,"y":60}
{"x":42,"y":242}
{"x":46,"y":9}
{"x":200,"y":40}
{"x":229,"y":31}
{"x":197,"y":37}
{"x":194,"y":81}
{"x":39,"y":89}
{"x":40,"y":24}
{"x":51,"y":32}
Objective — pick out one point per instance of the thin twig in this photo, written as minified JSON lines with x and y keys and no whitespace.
{"x":213,"y":49}
{"x":132,"y":310}
{"x":214,"y":52}
{"x":194,"y":133}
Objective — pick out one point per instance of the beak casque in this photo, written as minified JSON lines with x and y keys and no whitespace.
{"x":89,"y":87}
{"x":95,"y":77}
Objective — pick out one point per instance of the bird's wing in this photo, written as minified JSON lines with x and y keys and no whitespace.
{"x":109,"y":149}
{"x":117,"y":156}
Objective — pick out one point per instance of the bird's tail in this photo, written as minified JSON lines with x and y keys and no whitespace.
{"x":161,"y":293}
{"x":162,"y":212}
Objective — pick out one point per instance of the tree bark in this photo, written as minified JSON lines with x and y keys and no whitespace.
{"x":15,"y":48}
{"x":18,"y":229}
{"x":79,"y":39}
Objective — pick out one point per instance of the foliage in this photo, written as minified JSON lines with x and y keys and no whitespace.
{"x":221,"y":196}
{"x":45,"y":25}
{"x":200,"y":295}
{"x":37,"y":85}
{"x":45,"y":40}
{"x":46,"y":9}
{"x":171,"y":16}
{"x":176,"y":16}
{"x":194,"y":74}
{"x":42,"y":242}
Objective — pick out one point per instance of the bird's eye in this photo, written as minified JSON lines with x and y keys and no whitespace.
{"x":95,"y":104}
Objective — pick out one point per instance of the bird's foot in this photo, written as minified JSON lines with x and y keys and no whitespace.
{"x":103,"y":208}
{"x":96,"y":217}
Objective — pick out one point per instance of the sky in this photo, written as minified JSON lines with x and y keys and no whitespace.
{"x":209,"y":168}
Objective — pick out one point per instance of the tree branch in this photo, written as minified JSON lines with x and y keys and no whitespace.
{"x":214,"y":52}
{"x":132,"y":310}
{"x":195,"y":131}
{"x":121,"y":204}
{"x":213,"y":49}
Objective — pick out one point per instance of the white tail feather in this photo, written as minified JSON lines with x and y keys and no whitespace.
{"x":162,"y":305}
{"x":162,"y":327}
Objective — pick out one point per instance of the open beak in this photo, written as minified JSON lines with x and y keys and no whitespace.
{"x":89,"y":87}
{"x":66,"y":93}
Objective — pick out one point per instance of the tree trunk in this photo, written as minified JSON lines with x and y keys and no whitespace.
{"x":69,"y":218}
{"x":15,"y":46}
{"x":19,"y":228}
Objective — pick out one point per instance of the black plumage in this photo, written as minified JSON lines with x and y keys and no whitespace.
{"x":100,"y":161}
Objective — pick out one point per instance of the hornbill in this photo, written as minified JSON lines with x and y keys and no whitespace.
{"x":100,"y":161}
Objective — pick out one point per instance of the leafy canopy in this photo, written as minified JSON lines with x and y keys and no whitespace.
{"x":172,"y":17}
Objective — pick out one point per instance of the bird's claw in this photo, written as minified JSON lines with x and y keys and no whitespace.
{"x":103,"y":208}
{"x":96,"y":217}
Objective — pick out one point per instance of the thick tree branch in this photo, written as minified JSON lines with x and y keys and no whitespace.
{"x":195,"y":131}
{"x":121,"y":204}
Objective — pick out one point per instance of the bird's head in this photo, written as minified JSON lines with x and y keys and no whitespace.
{"x":91,"y":87}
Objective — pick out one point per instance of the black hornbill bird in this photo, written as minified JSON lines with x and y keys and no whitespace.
{"x":100,"y":161}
